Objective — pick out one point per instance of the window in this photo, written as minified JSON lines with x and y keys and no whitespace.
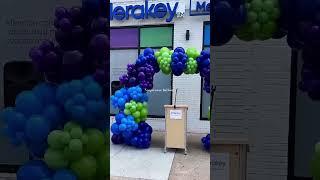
{"x":126,"y":44}
{"x":205,"y":97}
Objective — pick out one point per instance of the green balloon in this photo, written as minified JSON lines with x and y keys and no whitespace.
{"x":127,"y":112}
{"x":317,"y":148}
{"x":76,"y":133}
{"x":96,"y":141}
{"x":136,"y":114}
{"x":76,"y":145}
{"x":65,"y":138}
{"x":315,"y":166}
{"x":252,"y":17}
{"x":269,"y":28}
{"x":55,"y":159}
{"x":85,"y":168}
{"x":157,"y":54}
{"x":74,"y":151}
{"x":268,"y":6}
{"x":70,"y":125}
{"x":256,"y":5}
{"x":139,"y":106}
{"x":275,"y":14}
{"x":102,"y":165}
{"x":263,"y":17}
{"x":144,"y":113}
{"x":54,"y":140}
{"x":255,"y":27}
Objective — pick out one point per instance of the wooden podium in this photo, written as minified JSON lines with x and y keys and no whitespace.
{"x":176,"y":127}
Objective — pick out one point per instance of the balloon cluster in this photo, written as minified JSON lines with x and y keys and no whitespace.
{"x":204,"y":68}
{"x":37,"y":169}
{"x":124,"y":95}
{"x":138,"y":75}
{"x":249,"y":20}
{"x":262,"y":20}
{"x":315,"y":165}
{"x":81,"y":150}
{"x":140,"y":138}
{"x":124,"y":125}
{"x":178,"y":61}
{"x":229,"y":14}
{"x":130,"y":125}
{"x":35,"y":115}
{"x":137,"y":109}
{"x":164,"y":60}
{"x":83,"y":102}
{"x":75,"y":77}
{"x":192,"y":65}
{"x":82,"y":47}
{"x":206,"y":142}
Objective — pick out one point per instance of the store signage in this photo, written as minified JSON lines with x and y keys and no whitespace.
{"x":144,"y":11}
{"x":175,"y":114}
{"x":199,"y":7}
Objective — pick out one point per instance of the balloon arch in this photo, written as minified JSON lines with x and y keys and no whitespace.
{"x":131,"y":100}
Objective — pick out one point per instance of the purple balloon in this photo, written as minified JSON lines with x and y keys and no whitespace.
{"x":65,"y":25}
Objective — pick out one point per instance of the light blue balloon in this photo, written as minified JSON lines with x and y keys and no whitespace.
{"x":122,"y":127}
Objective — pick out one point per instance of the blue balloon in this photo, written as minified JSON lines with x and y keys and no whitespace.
{"x":64,"y":175}
{"x":79,"y":99}
{"x":46,"y":93}
{"x":17,"y":121}
{"x":54,"y":115}
{"x":93,"y":91}
{"x":28,"y":104}
{"x":63,"y":93}
{"x":33,"y":170}
{"x":115,"y":129}
{"x":37,"y":129}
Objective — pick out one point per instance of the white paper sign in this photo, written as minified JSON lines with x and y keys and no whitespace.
{"x":221,"y":166}
{"x":175,"y":114}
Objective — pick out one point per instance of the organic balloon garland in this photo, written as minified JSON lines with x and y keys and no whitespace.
{"x":63,"y":121}
{"x":131,"y":100}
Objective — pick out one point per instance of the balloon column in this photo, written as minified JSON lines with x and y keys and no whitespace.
{"x":63,"y":121}
{"x":132,"y":99}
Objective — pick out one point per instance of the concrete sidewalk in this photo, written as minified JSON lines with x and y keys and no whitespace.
{"x":153,"y":164}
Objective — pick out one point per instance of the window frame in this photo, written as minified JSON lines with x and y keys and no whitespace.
{"x":139,"y":48}
{"x":202,"y":117}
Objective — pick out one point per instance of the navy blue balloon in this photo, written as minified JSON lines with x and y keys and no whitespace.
{"x":33,"y":170}
{"x":117,"y":139}
{"x":223,"y":13}
{"x":206,"y":142}
{"x":221,"y":34}
{"x":65,"y":175}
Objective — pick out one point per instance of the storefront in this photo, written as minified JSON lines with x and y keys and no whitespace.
{"x":138,"y":24}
